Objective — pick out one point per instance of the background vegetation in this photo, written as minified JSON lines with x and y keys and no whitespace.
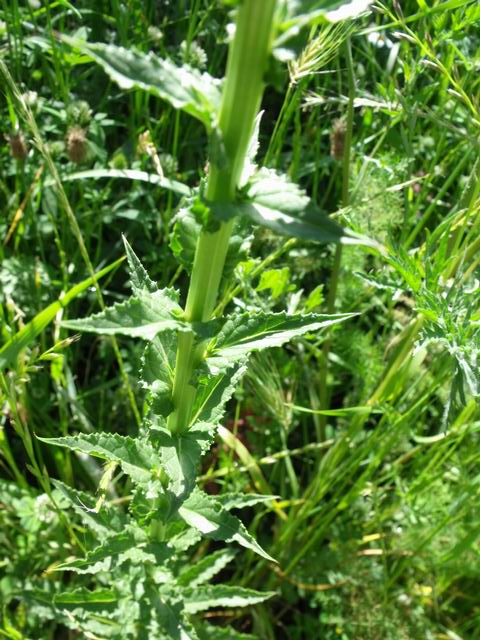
{"x":376,"y":525}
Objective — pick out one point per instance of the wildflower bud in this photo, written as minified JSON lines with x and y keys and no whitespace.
{"x":79,"y":114}
{"x":76,"y":144}
{"x":18,"y":146}
{"x":337,"y":139}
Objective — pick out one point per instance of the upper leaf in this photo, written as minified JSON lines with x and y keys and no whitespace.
{"x":187,"y":228}
{"x":143,"y":315}
{"x":274,"y":201}
{"x":183,"y":87}
{"x":247,"y":332}
{"x":208,"y":516}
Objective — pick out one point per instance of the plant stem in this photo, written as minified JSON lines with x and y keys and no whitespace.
{"x":240,"y":103}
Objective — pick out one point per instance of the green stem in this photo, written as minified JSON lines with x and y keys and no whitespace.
{"x":240,"y":103}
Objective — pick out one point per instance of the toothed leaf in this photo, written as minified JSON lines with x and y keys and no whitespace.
{"x":157,"y":372}
{"x":180,"y":455}
{"x":208,"y":516}
{"x":139,"y":278}
{"x":128,"y":546}
{"x":273,"y":201}
{"x":248,"y":332}
{"x":144,"y":315}
{"x":206,"y":568}
{"x":213,"y":395}
{"x":206,"y":597}
{"x":137,"y":459}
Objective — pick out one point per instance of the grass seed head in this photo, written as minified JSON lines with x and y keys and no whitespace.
{"x":18,"y":146}
{"x":337,"y":139}
{"x":76,"y":144}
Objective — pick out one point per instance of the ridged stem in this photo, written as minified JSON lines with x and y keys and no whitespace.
{"x":240,"y":103}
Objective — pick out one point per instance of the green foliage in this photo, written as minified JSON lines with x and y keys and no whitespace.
{"x":192,"y":484}
{"x":183,"y":87}
{"x":144,"y":315}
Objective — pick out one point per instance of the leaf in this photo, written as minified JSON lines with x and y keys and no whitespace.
{"x":94,"y":599}
{"x":204,"y":598}
{"x":23,"y":338}
{"x":241,"y":500}
{"x":127,"y":174}
{"x":198,"y":94}
{"x":249,"y":165}
{"x":129,"y":545}
{"x":248,"y":332}
{"x":206,"y":568}
{"x":209,"y":632}
{"x":180,"y":455}
{"x":157,"y":372}
{"x":213,"y":395}
{"x":275,"y":280}
{"x":106,"y":522}
{"x":208,"y":516}
{"x":139,"y":278}
{"x":183,"y":239}
{"x":143,"y":315}
{"x":273,"y":201}
{"x":170,"y":614}
{"x":137,"y":459}
{"x":92,"y":612}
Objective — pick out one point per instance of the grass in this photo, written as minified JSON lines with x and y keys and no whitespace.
{"x":366,"y":432}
